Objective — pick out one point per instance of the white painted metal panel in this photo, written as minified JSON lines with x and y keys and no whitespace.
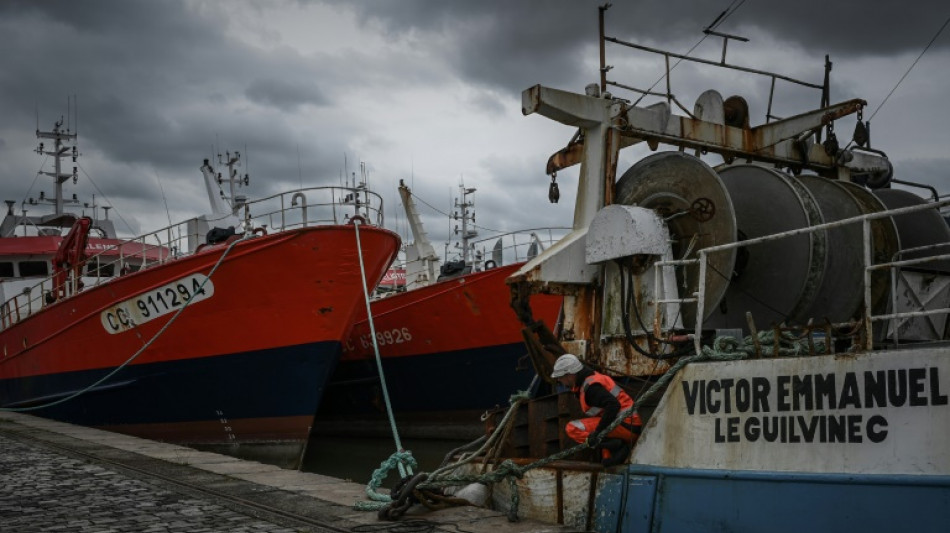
{"x":810,"y":414}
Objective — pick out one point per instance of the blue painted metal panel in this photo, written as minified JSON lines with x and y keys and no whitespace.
{"x":608,"y":503}
{"x":638,"y":517}
{"x":693,"y":500}
{"x":610,"y":513}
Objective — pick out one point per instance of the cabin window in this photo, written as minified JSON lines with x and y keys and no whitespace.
{"x":100,"y":270}
{"x":6,"y":269}
{"x":34,"y":269}
{"x":130,"y":267}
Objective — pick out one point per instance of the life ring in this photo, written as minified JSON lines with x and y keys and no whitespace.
{"x":490,"y":264}
{"x":356,"y":218}
{"x":260,"y":231}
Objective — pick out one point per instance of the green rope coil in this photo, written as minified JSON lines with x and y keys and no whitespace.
{"x":403,"y":457}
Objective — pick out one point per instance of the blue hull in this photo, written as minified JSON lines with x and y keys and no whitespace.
{"x":479,"y":378}
{"x":650,"y":499}
{"x":186,"y":400}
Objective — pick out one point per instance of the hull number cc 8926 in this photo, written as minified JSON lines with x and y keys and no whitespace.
{"x":157,"y":302}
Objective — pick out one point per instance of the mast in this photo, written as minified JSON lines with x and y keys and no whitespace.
{"x":60,"y":150}
{"x":466,"y":213}
{"x":234,"y":180}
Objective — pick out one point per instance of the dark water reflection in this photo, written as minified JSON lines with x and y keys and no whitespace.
{"x":355,"y":458}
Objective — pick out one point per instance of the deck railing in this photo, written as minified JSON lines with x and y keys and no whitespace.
{"x":698,"y":298}
{"x":286,"y":211}
{"x":518,"y":246}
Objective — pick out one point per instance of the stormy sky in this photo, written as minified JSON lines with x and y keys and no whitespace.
{"x":422,"y":90}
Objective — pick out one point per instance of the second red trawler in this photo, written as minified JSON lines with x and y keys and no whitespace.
{"x":449,"y":341}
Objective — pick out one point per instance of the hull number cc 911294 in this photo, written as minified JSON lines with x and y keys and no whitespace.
{"x":157,"y":302}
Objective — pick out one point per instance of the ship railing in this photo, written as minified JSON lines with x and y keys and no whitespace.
{"x":668,"y":94}
{"x":517,"y":246}
{"x":296,"y":209}
{"x":702,"y":258}
{"x":313,"y":207}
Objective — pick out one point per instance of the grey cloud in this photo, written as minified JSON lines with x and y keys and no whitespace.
{"x":930,"y":171}
{"x":284,"y":95}
{"x":157,"y":86}
{"x":517,"y":44}
{"x":487,"y":102}
{"x":162,"y":85}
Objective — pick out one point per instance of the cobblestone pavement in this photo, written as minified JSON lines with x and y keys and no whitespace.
{"x":41,"y":490}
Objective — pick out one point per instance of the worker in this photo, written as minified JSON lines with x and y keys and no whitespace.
{"x":601,"y":400}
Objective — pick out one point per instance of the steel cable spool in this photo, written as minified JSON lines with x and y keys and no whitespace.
{"x":693,"y":200}
{"x":885,"y":242}
{"x":841,"y":294}
{"x":777,"y":281}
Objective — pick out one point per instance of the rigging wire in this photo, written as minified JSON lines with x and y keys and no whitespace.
{"x":106,"y":198}
{"x":164,"y":199}
{"x":437,"y":210}
{"x":924,"y":51}
{"x":851,"y":143}
{"x":35,"y":177}
{"x":728,"y":12}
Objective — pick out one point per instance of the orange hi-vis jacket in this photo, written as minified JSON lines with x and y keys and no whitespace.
{"x":626,"y":402}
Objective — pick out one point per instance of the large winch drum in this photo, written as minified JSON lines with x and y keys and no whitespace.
{"x":692,"y":199}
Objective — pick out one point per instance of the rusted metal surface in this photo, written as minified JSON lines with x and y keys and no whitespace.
{"x":566,"y":157}
{"x":591,"y":499}
{"x":561,"y":491}
{"x":774,"y":142}
{"x":580,"y":312}
{"x":581,"y":466}
{"x":621,"y":358}
{"x":538,"y":490}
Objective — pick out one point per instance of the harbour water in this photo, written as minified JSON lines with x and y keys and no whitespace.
{"x":355,"y":458}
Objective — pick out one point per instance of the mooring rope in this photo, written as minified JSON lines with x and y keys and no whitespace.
{"x":401,"y":459}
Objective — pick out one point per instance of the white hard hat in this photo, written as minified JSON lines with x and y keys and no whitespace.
{"x":566,"y":364}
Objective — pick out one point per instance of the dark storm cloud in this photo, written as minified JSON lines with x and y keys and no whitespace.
{"x":284,"y":95}
{"x":157,"y":85}
{"x":163,"y":85}
{"x":517,"y":44}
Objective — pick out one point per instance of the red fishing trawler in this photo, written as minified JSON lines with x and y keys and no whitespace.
{"x":219,"y":332}
{"x":449,"y":341}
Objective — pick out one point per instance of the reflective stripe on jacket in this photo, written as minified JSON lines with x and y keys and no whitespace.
{"x":608,"y":383}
